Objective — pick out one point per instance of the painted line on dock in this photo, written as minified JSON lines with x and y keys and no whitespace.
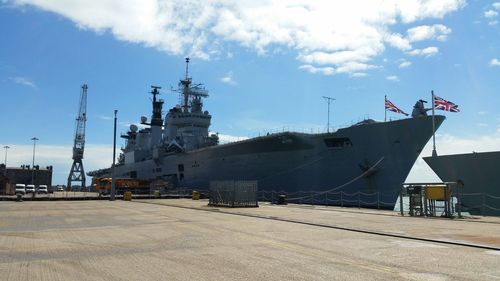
{"x":338,"y":227}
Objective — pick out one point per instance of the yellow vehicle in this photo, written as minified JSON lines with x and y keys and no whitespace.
{"x":103,"y":185}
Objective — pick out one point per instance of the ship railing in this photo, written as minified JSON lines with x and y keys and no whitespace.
{"x":421,"y":197}
{"x":312,"y":130}
{"x":234,"y":139}
{"x":298,"y":129}
{"x":481,"y":203}
{"x":332,"y":198}
{"x":484,"y":203}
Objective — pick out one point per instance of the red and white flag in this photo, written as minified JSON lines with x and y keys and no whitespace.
{"x":442,"y":104}
{"x":389,"y":106}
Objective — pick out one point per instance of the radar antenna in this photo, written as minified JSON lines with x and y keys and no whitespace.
{"x":329,"y":100}
{"x":77,"y":174}
{"x":190,"y":92}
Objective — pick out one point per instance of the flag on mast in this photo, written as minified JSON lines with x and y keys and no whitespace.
{"x":442,"y":104}
{"x":389,"y":106}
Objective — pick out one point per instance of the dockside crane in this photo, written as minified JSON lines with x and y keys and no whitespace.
{"x":77,"y":174}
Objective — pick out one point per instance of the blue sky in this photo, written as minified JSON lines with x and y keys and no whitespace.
{"x":267,"y":65}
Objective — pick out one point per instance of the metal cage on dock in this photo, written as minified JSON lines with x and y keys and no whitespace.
{"x":431,"y":199}
{"x":233,"y":193}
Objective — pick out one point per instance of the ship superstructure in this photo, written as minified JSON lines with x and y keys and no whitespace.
{"x":371,"y":157}
{"x":185,"y":127}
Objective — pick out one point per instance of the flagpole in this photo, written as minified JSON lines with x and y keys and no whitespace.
{"x":385,"y":110}
{"x":434,"y":153}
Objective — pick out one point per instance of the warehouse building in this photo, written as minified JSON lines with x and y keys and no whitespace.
{"x":10,"y":176}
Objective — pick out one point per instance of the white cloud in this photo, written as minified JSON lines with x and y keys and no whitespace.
{"x":23,"y":81}
{"x":411,"y":11}
{"x":490,"y":14}
{"x":127,"y":124}
{"x":322,"y":70}
{"x":404,"y":64}
{"x":354,"y":67}
{"x":359,"y":74}
{"x":450,"y":144}
{"x":96,"y":156}
{"x":493,"y":22}
{"x":107,"y":118}
{"x":496,"y":5}
{"x":429,"y":51}
{"x":392,"y":78}
{"x":228,"y":79}
{"x":338,"y":58}
{"x":344,"y":35}
{"x":495,"y":62}
{"x":397,"y":41}
{"x":229,"y":138}
{"x":426,"y":32}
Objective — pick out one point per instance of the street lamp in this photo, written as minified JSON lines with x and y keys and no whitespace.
{"x":113,"y":179}
{"x":5,"y":161}
{"x":34,"y":139}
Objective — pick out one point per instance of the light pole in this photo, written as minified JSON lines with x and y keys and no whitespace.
{"x":34,"y":139}
{"x":113,"y":180}
{"x":5,"y":161}
{"x":328,"y":99}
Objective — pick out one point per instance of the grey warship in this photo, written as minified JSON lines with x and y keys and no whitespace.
{"x":478,"y":171}
{"x":368,"y":157}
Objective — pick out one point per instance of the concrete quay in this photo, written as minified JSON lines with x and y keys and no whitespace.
{"x":181,"y":239}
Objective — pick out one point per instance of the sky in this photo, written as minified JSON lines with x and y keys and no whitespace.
{"x":267,"y":65}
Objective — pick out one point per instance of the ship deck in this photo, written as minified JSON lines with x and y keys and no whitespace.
{"x":181,"y":239}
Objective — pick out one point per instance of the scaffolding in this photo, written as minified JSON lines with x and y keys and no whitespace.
{"x":431,"y":199}
{"x":233,"y":193}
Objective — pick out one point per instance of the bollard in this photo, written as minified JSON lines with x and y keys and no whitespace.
{"x":281,"y":199}
{"x":196,"y":195}
{"x":127,"y":196}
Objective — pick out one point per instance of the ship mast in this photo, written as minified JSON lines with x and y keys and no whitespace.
{"x":186,"y":83}
{"x":191,"y":94}
{"x":329,"y":100}
{"x":156,"y":119}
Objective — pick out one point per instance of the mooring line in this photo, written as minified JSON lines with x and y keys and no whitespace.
{"x":372,"y":232}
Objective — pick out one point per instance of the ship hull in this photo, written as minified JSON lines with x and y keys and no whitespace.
{"x":373,"y":159}
{"x":480,"y":175}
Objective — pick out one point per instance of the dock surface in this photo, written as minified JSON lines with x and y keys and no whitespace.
{"x":180,"y":239}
